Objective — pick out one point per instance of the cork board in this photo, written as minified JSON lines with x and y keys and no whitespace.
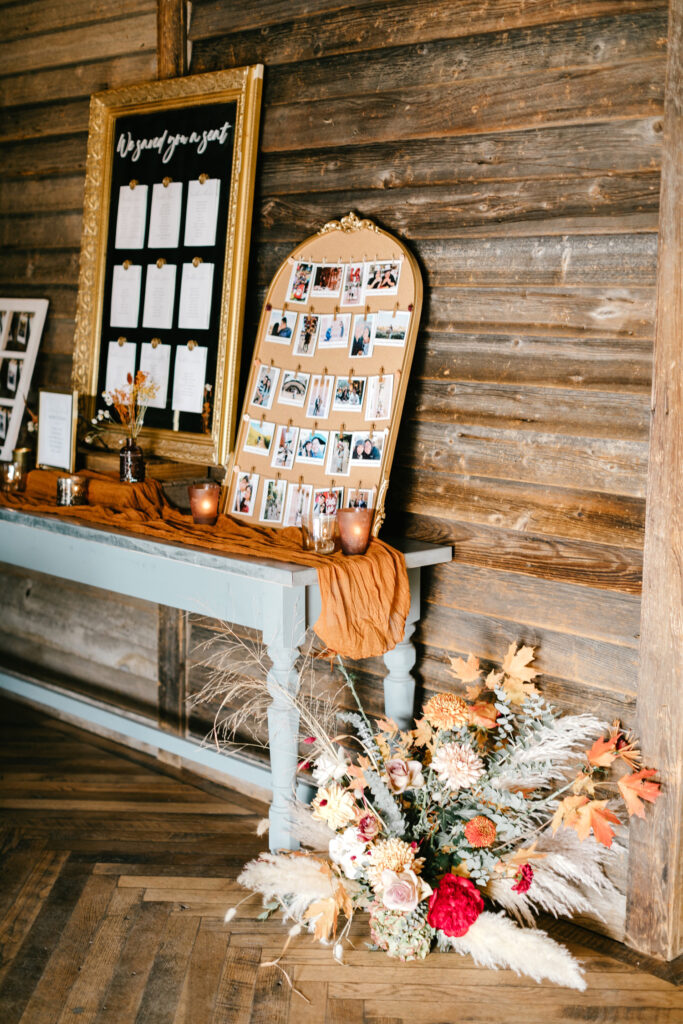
{"x":328,"y":381}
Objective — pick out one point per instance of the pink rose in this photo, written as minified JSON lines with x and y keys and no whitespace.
{"x":402,"y":775}
{"x":368,"y":828}
{"x":400,"y":892}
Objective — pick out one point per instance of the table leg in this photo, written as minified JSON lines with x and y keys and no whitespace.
{"x":399,"y":684}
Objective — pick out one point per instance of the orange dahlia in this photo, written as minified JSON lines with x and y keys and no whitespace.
{"x":446,"y":711}
{"x":480,"y":831}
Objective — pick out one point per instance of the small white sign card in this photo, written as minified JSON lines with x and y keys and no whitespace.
{"x":125,"y":296}
{"x":196,"y":287}
{"x":164,"y":220}
{"x":202,"y":212}
{"x":159,"y":296}
{"x":56,"y":415}
{"x":156,"y":363}
{"x":131,"y":217}
{"x":189,"y":378}
{"x":120,"y":363}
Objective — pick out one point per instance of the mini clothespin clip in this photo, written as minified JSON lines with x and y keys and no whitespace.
{"x":155,"y":341}
{"x":324,"y":371}
{"x":126,"y":264}
{"x":284,"y":307}
{"x":202,"y":178}
{"x":196,"y":261}
{"x":381,"y":373}
{"x":278,"y":475}
{"x":290,"y":422}
{"x":315,"y":426}
{"x":191,"y":344}
{"x":263,"y":418}
{"x":395,"y":311}
{"x":350,"y":375}
{"x":332,"y":485}
{"x":133,"y":182}
{"x":252,"y":470}
{"x":298,"y":367}
{"x":343,"y":428}
{"x":167,"y":181}
{"x":272,"y":361}
{"x":161,"y":262}
{"x":121,"y":341}
{"x":301,"y":480}
{"x":312,"y":309}
{"x":336,"y":312}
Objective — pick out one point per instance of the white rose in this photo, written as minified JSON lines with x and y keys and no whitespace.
{"x":329,"y":768}
{"x":349,"y":853}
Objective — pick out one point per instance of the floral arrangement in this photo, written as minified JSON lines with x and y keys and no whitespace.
{"x":453,"y":835}
{"x":130,"y":402}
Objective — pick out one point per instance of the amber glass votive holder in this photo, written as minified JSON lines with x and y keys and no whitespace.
{"x":72,"y":490}
{"x":204,"y":502}
{"x":13,"y":477}
{"x":354,"y":529}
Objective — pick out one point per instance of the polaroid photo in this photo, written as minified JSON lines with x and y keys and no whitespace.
{"x":293,"y":388}
{"x":392,"y":327}
{"x":21,"y":337}
{"x":363,"y":337}
{"x":12,"y":328}
{"x":244,"y":498}
{"x":259,"y":437}
{"x":381,"y":278}
{"x":273,"y":501}
{"x":352,"y":292}
{"x":300,"y":283}
{"x":264,"y":389}
{"x":367,"y":448}
{"x":360,"y":498}
{"x":349,"y":394}
{"x":339,"y":455}
{"x":312,"y":447}
{"x":380,"y":394}
{"x":298,"y":503}
{"x":306,"y":335}
{"x":12,"y":375}
{"x":3,"y":423}
{"x":327,"y":502}
{"x":280,"y":326}
{"x":334,"y":331}
{"x":320,"y":397}
{"x":284,"y":447}
{"x":327,"y":281}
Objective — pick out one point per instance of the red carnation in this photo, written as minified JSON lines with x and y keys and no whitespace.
{"x":455,"y":905}
{"x":523,"y":878}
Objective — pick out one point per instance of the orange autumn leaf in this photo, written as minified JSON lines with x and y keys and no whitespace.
{"x":387,"y":725}
{"x":493,"y":680}
{"x":566,"y":811}
{"x":357,"y":776}
{"x":473,"y":692}
{"x":467,"y":671}
{"x":423,"y":733}
{"x":518,"y":690}
{"x":517,"y":663}
{"x":594,"y":815}
{"x":583,"y":783}
{"x":603,"y":752}
{"x":635,"y":788}
{"x":325,"y":914}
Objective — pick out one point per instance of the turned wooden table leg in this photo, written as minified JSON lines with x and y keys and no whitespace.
{"x":399,"y":684}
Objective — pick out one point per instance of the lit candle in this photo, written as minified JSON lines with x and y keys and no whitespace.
{"x":354,"y":529}
{"x":204,"y":502}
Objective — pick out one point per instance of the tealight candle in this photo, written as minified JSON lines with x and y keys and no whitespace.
{"x":204,"y":502}
{"x":354,"y":529}
{"x":72,"y":490}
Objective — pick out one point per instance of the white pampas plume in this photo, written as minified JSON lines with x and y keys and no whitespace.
{"x":263,"y":826}
{"x":548,"y":753}
{"x":294,"y":881}
{"x":495,"y":941}
{"x":303,"y":826}
{"x":229,"y":914}
{"x":338,"y":952}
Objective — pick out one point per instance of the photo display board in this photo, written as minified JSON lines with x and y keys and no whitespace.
{"x":169,"y":189}
{"x":21,"y":328}
{"x":329,"y":377}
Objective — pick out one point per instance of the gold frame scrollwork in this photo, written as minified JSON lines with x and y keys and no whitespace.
{"x":242,"y":85}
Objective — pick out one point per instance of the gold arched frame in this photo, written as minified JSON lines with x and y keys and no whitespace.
{"x":244,"y":86}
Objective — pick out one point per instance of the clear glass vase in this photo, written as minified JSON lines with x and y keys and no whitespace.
{"x":131,"y":463}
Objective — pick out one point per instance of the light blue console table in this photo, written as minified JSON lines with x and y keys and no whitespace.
{"x":280,"y":599}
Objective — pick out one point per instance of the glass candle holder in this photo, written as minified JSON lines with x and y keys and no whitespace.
{"x":23,"y":457}
{"x":318,"y":533}
{"x":204,"y":502}
{"x":72,"y":490}
{"x":13,"y":477}
{"x":354,"y":529}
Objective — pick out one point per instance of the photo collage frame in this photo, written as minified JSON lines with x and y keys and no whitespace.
{"x":328,"y":380}
{"x":21,"y":328}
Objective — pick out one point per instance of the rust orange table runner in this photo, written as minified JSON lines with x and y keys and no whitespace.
{"x":365,"y":599}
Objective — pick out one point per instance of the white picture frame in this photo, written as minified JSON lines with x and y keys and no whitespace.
{"x":57,"y":426}
{"x":18,"y":346}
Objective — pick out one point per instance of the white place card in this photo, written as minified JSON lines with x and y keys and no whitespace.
{"x":156,"y":363}
{"x":56,"y":426}
{"x":159,"y":296}
{"x":164,"y":220}
{"x":201,"y":217}
{"x":195,"y":297}
{"x":120,"y":363}
{"x":130,"y":217}
{"x":125,"y":296}
{"x":189,"y":378}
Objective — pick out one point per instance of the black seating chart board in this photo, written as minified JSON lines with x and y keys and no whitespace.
{"x":165,"y":244}
{"x":328,"y":381}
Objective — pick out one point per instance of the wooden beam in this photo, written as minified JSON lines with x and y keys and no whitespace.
{"x":655,"y":870}
{"x":172,"y":670}
{"x":172,"y":58}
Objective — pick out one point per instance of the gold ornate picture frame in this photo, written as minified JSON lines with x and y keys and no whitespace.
{"x":329,"y":377}
{"x":190,"y":132}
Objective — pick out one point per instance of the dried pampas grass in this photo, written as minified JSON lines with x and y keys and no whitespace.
{"x":550,"y":753}
{"x":295,"y":882}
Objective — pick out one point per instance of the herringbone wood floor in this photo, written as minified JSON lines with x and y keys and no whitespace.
{"x":114,"y":880}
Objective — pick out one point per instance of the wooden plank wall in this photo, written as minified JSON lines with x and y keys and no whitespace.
{"x":517,"y":149}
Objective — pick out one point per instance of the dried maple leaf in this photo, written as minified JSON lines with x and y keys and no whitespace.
{"x":519,"y":857}
{"x":594,"y":815}
{"x":493,"y":680}
{"x":467,"y":671}
{"x":387,"y":725}
{"x":324,"y":913}
{"x":566,"y":811}
{"x":473,"y":692}
{"x":583,"y":783}
{"x":635,"y":788}
{"x":383,"y":746}
{"x":423,"y":733}
{"x":603,"y":752}
{"x":357,"y":776}
{"x":516,"y":663}
{"x":518,"y":690}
